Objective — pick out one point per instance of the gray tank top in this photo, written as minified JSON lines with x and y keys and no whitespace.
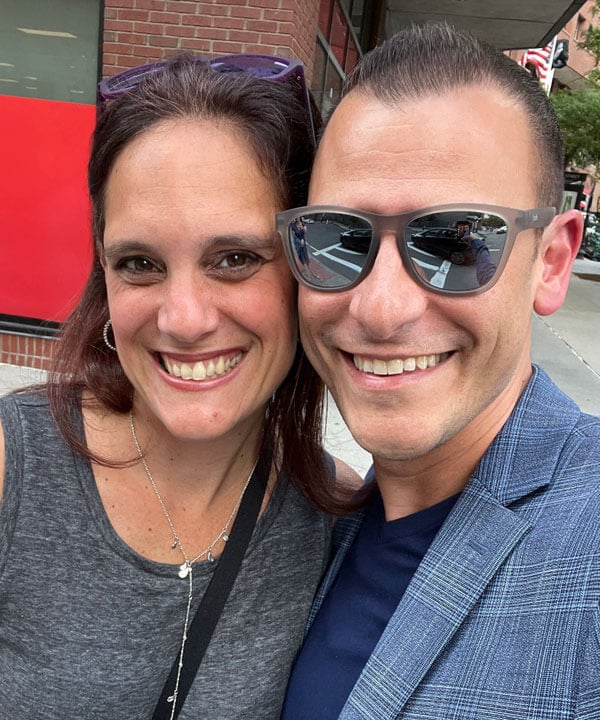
{"x":89,"y":628}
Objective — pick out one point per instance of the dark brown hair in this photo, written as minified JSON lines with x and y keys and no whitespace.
{"x":272,"y":119}
{"x":435,"y":57}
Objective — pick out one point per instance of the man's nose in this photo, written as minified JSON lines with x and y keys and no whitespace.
{"x":387,"y":297}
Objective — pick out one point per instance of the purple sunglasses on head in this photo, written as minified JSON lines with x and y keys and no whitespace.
{"x":263,"y":66}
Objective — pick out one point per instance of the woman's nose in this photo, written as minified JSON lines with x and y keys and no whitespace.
{"x":188,"y":309}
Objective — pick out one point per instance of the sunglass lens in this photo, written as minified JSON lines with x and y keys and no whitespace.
{"x":257,"y":65}
{"x":456,"y":251}
{"x":329,"y":249}
{"x":116,"y":85}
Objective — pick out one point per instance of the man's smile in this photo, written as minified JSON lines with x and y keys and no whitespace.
{"x":397,"y":366}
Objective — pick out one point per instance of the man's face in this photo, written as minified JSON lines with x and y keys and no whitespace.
{"x":462,"y":229}
{"x":464,"y":360}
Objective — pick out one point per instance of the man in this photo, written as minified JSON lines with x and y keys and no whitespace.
{"x":479,"y":253}
{"x":469,"y":584}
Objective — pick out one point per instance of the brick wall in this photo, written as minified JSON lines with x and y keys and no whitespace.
{"x":140,"y":31}
{"x":26,"y":350}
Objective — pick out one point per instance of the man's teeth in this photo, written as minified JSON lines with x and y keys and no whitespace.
{"x":202,"y":370}
{"x":397,"y":366}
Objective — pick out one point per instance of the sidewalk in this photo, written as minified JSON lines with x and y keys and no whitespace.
{"x":566,"y":345}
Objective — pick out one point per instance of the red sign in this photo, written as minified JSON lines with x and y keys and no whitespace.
{"x":45,"y":238}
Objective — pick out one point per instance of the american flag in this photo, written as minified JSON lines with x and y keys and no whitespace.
{"x":541,"y":61}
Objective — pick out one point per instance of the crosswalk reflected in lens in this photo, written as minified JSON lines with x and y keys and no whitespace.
{"x":453,"y":250}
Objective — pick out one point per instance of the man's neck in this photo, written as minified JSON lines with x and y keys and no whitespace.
{"x":410,"y":485}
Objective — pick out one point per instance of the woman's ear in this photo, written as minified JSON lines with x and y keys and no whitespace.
{"x":558,"y":249}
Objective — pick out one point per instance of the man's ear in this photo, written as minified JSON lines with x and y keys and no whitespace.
{"x":558,"y":250}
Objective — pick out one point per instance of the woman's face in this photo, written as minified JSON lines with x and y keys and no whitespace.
{"x":201,"y":299}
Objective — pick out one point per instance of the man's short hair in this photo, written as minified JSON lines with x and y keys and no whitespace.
{"x":433,"y":58}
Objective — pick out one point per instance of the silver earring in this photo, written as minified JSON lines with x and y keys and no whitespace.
{"x":105,"y":330}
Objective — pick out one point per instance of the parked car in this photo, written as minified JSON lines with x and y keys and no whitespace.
{"x":356,"y":239}
{"x":501,"y":230}
{"x":590,"y":246}
{"x":444,"y":243}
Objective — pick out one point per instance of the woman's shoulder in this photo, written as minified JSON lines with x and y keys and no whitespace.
{"x":18,"y":412}
{"x":346,"y":476}
{"x":28,"y":428}
{"x":1,"y":460}
{"x":16,"y":406}
{"x":345,"y":483}
{"x":30,"y":406}
{"x":32,"y":396}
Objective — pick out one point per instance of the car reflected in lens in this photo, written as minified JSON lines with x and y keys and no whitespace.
{"x":356,"y":239}
{"x":444,"y":243}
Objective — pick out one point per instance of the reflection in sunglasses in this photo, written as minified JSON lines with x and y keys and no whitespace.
{"x":450,"y":249}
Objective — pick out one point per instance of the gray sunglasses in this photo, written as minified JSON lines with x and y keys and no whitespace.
{"x":456,"y":249}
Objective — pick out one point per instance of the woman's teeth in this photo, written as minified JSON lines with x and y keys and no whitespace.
{"x":201,"y":370}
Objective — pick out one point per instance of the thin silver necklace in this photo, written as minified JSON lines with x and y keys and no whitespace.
{"x":185,"y":569}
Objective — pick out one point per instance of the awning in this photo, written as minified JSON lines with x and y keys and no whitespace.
{"x":507,"y":24}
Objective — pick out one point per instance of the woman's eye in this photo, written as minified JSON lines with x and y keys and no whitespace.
{"x":138,"y":270}
{"x":238,"y":261}
{"x":138,"y":265}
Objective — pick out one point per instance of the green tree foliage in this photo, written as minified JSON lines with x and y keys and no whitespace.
{"x":579,"y":117}
{"x":591,"y":43}
{"x":579,"y":110}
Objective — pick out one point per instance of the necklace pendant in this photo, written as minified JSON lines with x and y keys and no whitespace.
{"x":225,"y":538}
{"x":184,"y":570}
{"x":210,"y":557}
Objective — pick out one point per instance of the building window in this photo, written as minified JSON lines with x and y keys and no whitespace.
{"x":334,"y":80}
{"x":338,"y":37}
{"x":325,"y":12}
{"x":48,"y":77}
{"x":319,"y":69}
{"x":340,"y":44}
{"x":49,"y":50}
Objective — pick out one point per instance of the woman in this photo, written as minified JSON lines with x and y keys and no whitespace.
{"x":180,"y":391}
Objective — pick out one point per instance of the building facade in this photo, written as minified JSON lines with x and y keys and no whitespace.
{"x":52,"y":55}
{"x":51,"y":58}
{"x":564,"y":65}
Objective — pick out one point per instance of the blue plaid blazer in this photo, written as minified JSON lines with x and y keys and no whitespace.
{"x":501,"y":621}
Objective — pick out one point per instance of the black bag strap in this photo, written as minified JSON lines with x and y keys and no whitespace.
{"x":207,"y":616}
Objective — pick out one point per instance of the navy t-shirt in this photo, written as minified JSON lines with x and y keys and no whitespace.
{"x":364,"y":596}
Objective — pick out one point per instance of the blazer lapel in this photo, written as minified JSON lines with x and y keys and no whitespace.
{"x":472,"y":544}
{"x":345,"y":531}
